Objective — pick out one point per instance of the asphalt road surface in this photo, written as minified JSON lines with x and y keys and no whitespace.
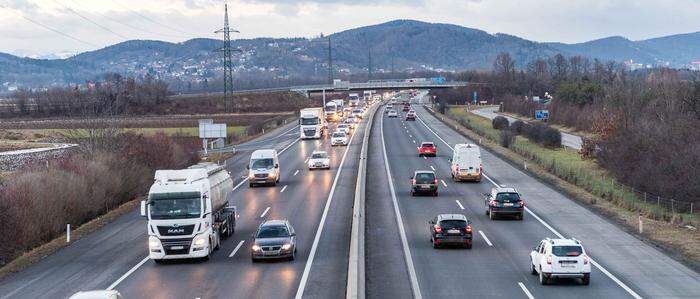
{"x":498,"y":264}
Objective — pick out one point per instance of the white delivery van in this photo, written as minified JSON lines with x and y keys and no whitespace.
{"x":466,"y":163}
{"x":264,"y":167}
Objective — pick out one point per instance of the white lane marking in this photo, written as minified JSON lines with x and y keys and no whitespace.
{"x":399,"y":221}
{"x":306,"y":161}
{"x":132,"y":270}
{"x":114,"y":284}
{"x":459,"y":204}
{"x":296,"y":172}
{"x":485,"y":238}
{"x":414,"y":141}
{"x":283,"y":188}
{"x":265,"y":212}
{"x":527,"y":293}
{"x":319,"y":230}
{"x":425,"y":158}
{"x":443,"y":183}
{"x":410,"y":136}
{"x":431,"y":167}
{"x":236,"y":249}
{"x":600,"y":267}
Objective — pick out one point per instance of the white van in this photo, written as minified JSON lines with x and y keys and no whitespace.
{"x":466,"y":163}
{"x":264,"y":167}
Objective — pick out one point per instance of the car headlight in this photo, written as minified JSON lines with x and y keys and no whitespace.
{"x":272,"y":175}
{"x":200,"y":240}
{"x":286,"y":246}
{"x":256,"y":247}
{"x":153,"y":242}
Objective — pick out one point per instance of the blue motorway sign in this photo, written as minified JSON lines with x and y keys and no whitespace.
{"x":541,"y":114}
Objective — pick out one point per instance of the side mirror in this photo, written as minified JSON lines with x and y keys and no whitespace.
{"x":431,"y":222}
{"x":293,"y":234}
{"x":277,"y":166}
{"x":143,"y":208}
{"x":247,"y":167}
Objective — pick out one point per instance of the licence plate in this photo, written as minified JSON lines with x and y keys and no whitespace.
{"x":425,"y":187}
{"x":507,"y":204}
{"x":177,"y":247}
{"x":270,"y":252}
{"x":567,"y":265}
{"x":453,"y":231}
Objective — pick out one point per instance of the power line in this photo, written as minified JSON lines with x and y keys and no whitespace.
{"x":51,"y":29}
{"x":154,"y":21}
{"x":91,"y":21}
{"x":137,"y":28}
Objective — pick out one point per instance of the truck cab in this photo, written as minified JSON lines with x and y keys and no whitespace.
{"x":188,"y":212}
{"x":311,"y":123}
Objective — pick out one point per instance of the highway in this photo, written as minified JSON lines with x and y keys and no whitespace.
{"x":498,"y":264}
{"x":115,"y":256}
{"x":399,"y":259}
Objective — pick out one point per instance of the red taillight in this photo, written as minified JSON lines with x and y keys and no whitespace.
{"x":549,"y":259}
{"x":468,"y":229}
{"x":521,"y":202}
{"x":413,"y":181}
{"x":585,"y":260}
{"x":435,"y":181}
{"x":493,"y":203}
{"x":438,"y":229}
{"x":481,"y":168}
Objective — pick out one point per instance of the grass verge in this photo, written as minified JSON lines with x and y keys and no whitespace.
{"x":589,"y":184}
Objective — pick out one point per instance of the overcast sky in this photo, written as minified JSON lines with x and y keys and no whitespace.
{"x":26,"y":25}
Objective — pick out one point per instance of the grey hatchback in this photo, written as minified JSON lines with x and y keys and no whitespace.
{"x":424,"y":181}
{"x":274,"y":239}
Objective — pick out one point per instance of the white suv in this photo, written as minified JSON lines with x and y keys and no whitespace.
{"x":560,"y":258}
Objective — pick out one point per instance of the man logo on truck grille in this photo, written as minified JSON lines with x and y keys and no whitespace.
{"x":176,"y":229}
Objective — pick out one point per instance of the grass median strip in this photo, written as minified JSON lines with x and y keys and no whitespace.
{"x":585,"y":181}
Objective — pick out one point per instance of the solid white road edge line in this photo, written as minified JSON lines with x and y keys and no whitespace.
{"x":485,"y":238}
{"x":265,"y":212}
{"x":600,"y":267}
{"x":431,"y":167}
{"x":527,"y":293}
{"x":236,"y":249}
{"x":319,"y":231}
{"x":459,"y":204}
{"x":399,"y":221}
{"x":284,"y":188}
{"x":113,"y":285}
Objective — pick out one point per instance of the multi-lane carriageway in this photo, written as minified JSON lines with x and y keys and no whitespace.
{"x":399,"y":260}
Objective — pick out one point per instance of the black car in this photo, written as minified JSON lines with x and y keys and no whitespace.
{"x":451,"y":229}
{"x":424,"y":182}
{"x":274,"y":239}
{"x":504,"y":201}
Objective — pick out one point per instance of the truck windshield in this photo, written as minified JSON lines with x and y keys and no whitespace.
{"x":261,"y":163}
{"x":175,"y":205}
{"x":309,"y":121}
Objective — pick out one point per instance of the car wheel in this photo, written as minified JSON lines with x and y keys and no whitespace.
{"x":159,"y":262}
{"x":254,"y":260}
{"x":586,"y":280}
{"x":469,"y":246}
{"x":543,"y":280}
{"x":533,"y":270}
{"x":435,"y":245}
{"x":520,"y":216}
{"x":491,"y":216}
{"x":250,"y":185}
{"x":487,"y":212}
{"x":294,"y":253}
{"x":435,"y":194}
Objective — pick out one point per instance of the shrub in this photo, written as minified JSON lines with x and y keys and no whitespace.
{"x":551,"y":137}
{"x":517,"y":127}
{"x":507,"y":138}
{"x":499,"y":123}
{"x":588,"y":148}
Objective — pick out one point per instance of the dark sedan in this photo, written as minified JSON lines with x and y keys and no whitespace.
{"x":274,"y":239}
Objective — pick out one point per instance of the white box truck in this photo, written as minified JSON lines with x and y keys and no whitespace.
{"x":311,"y":123}
{"x":466,"y":163}
{"x":188,"y":212}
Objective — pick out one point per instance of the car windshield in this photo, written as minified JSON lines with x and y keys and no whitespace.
{"x":427,"y":145}
{"x":507,"y":197}
{"x":340,"y":126}
{"x":338,"y":134}
{"x":423,"y":178}
{"x":261,"y":163}
{"x":175,"y":205}
{"x":572,"y":250}
{"x":273,"y":231}
{"x":309,"y":121}
{"x":448,"y":224}
{"x":319,"y":156}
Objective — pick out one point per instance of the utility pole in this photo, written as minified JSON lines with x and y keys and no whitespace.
{"x":228,"y":61}
{"x":369,"y":64}
{"x":330,"y":62}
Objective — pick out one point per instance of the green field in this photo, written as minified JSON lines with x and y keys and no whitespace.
{"x":189,"y":132}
